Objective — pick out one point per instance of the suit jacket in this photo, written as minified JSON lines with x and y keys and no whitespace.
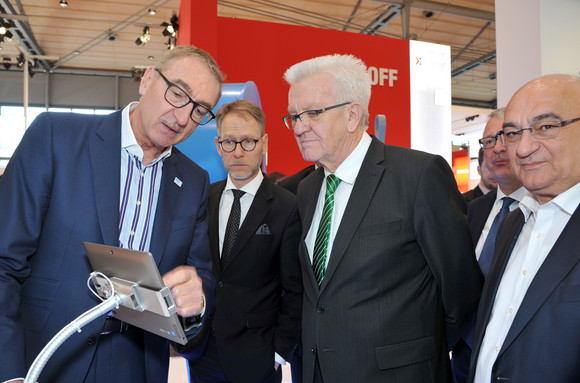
{"x":291,"y":182}
{"x":401,"y":281}
{"x":62,"y":188}
{"x":472,"y":194}
{"x":259,"y":292}
{"x":478,"y":212}
{"x":543,"y":343}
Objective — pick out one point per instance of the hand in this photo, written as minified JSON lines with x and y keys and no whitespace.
{"x":186,"y":288}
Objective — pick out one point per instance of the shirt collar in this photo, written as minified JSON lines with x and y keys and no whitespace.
{"x":250,"y":188}
{"x":128,"y":140}
{"x":567,"y":201}
{"x":348,"y":170}
{"x":518,"y":195}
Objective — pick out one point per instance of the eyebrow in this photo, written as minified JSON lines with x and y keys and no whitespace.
{"x":536,"y":119}
{"x":183,"y":85}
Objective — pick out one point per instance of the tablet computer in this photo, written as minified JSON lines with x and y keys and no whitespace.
{"x":157,"y":312}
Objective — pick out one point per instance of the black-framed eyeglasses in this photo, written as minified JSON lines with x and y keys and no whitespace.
{"x":541,"y":130}
{"x":308,"y":116}
{"x":179,"y":98}
{"x":248,"y":144}
{"x":489,"y":141}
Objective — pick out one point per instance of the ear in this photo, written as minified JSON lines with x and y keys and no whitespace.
{"x":218,"y":146}
{"x":265,"y":143}
{"x":479,"y":170}
{"x":354,"y":116}
{"x":146,"y":80}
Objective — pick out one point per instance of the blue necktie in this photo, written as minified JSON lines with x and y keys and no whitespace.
{"x":487,"y":251}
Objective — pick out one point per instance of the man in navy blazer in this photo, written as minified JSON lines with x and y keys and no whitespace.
{"x":256,"y":315}
{"x":527,"y":325}
{"x":398,"y":282}
{"x":481,"y":213}
{"x":116,"y":180}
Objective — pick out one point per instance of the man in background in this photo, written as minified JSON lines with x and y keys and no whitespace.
{"x":386,"y":290}
{"x":486,"y":181}
{"x":254,"y":232}
{"x":116,"y":180}
{"x":485,"y":214}
{"x":527,"y":325}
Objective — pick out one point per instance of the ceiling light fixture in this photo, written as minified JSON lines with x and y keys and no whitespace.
{"x":7,"y":63}
{"x":20,"y":60}
{"x":5,"y":33}
{"x":152,"y":11}
{"x":144,"y":38}
{"x":63,"y":3}
{"x":171,"y":28}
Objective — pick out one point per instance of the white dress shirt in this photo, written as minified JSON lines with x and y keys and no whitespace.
{"x":347,"y":172}
{"x":227,"y":200}
{"x":543,"y":225}
{"x":517,"y":195}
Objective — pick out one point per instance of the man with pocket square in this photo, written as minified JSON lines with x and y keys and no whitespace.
{"x":258,"y":304}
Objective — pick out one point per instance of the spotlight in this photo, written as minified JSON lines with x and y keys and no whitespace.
{"x":63,"y":3}
{"x":152,"y":11}
{"x":144,"y":38}
{"x":20,"y":60}
{"x":3,"y":30}
{"x":170,"y":29}
{"x":7,"y":63}
{"x":171,"y":42}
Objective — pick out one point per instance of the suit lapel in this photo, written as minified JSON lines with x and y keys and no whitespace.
{"x":258,"y":210}
{"x":556,"y":266}
{"x":362,"y":193}
{"x":308,"y":197}
{"x":509,"y":233}
{"x":105,"y":154}
{"x":213,"y":205}
{"x":166,"y":207}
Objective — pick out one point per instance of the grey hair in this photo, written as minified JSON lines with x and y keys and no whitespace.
{"x":496,"y":113}
{"x":351,"y":81}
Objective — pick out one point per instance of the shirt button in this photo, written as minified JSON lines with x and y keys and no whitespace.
{"x":132,"y":233}
{"x":142,"y":174}
{"x":511,"y":310}
{"x":138,"y":203}
{"x":220,"y":284}
{"x":496,"y":348}
{"x":539,"y":235}
{"x":525,"y":272}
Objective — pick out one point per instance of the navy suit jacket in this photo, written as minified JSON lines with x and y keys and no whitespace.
{"x":543,"y":343}
{"x":402,"y":282}
{"x":61,"y":188}
{"x":478,"y":212}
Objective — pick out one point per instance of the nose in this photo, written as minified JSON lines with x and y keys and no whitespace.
{"x":238,"y":150}
{"x":300,"y":127}
{"x":183,"y":114}
{"x":527,"y":143}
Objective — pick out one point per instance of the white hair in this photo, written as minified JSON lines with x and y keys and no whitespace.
{"x":351,"y":80}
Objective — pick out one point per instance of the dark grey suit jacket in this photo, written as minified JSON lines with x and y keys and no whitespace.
{"x":402,"y":280}
{"x":543,"y":343}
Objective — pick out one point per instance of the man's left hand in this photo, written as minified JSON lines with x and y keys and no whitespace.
{"x":186,"y":288}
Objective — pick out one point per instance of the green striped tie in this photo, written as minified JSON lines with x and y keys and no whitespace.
{"x":321,"y":242}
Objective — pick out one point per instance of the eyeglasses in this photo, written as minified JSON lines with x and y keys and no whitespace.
{"x":541,"y":130}
{"x":248,"y":144}
{"x":308,"y":116}
{"x":179,"y":98}
{"x":490,"y":141}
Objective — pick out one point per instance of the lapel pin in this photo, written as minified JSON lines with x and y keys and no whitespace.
{"x":178,"y":182}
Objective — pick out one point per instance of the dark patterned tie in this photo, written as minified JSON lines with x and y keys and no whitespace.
{"x":232,"y":227}
{"x":323,"y":233}
{"x":487,"y":252}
